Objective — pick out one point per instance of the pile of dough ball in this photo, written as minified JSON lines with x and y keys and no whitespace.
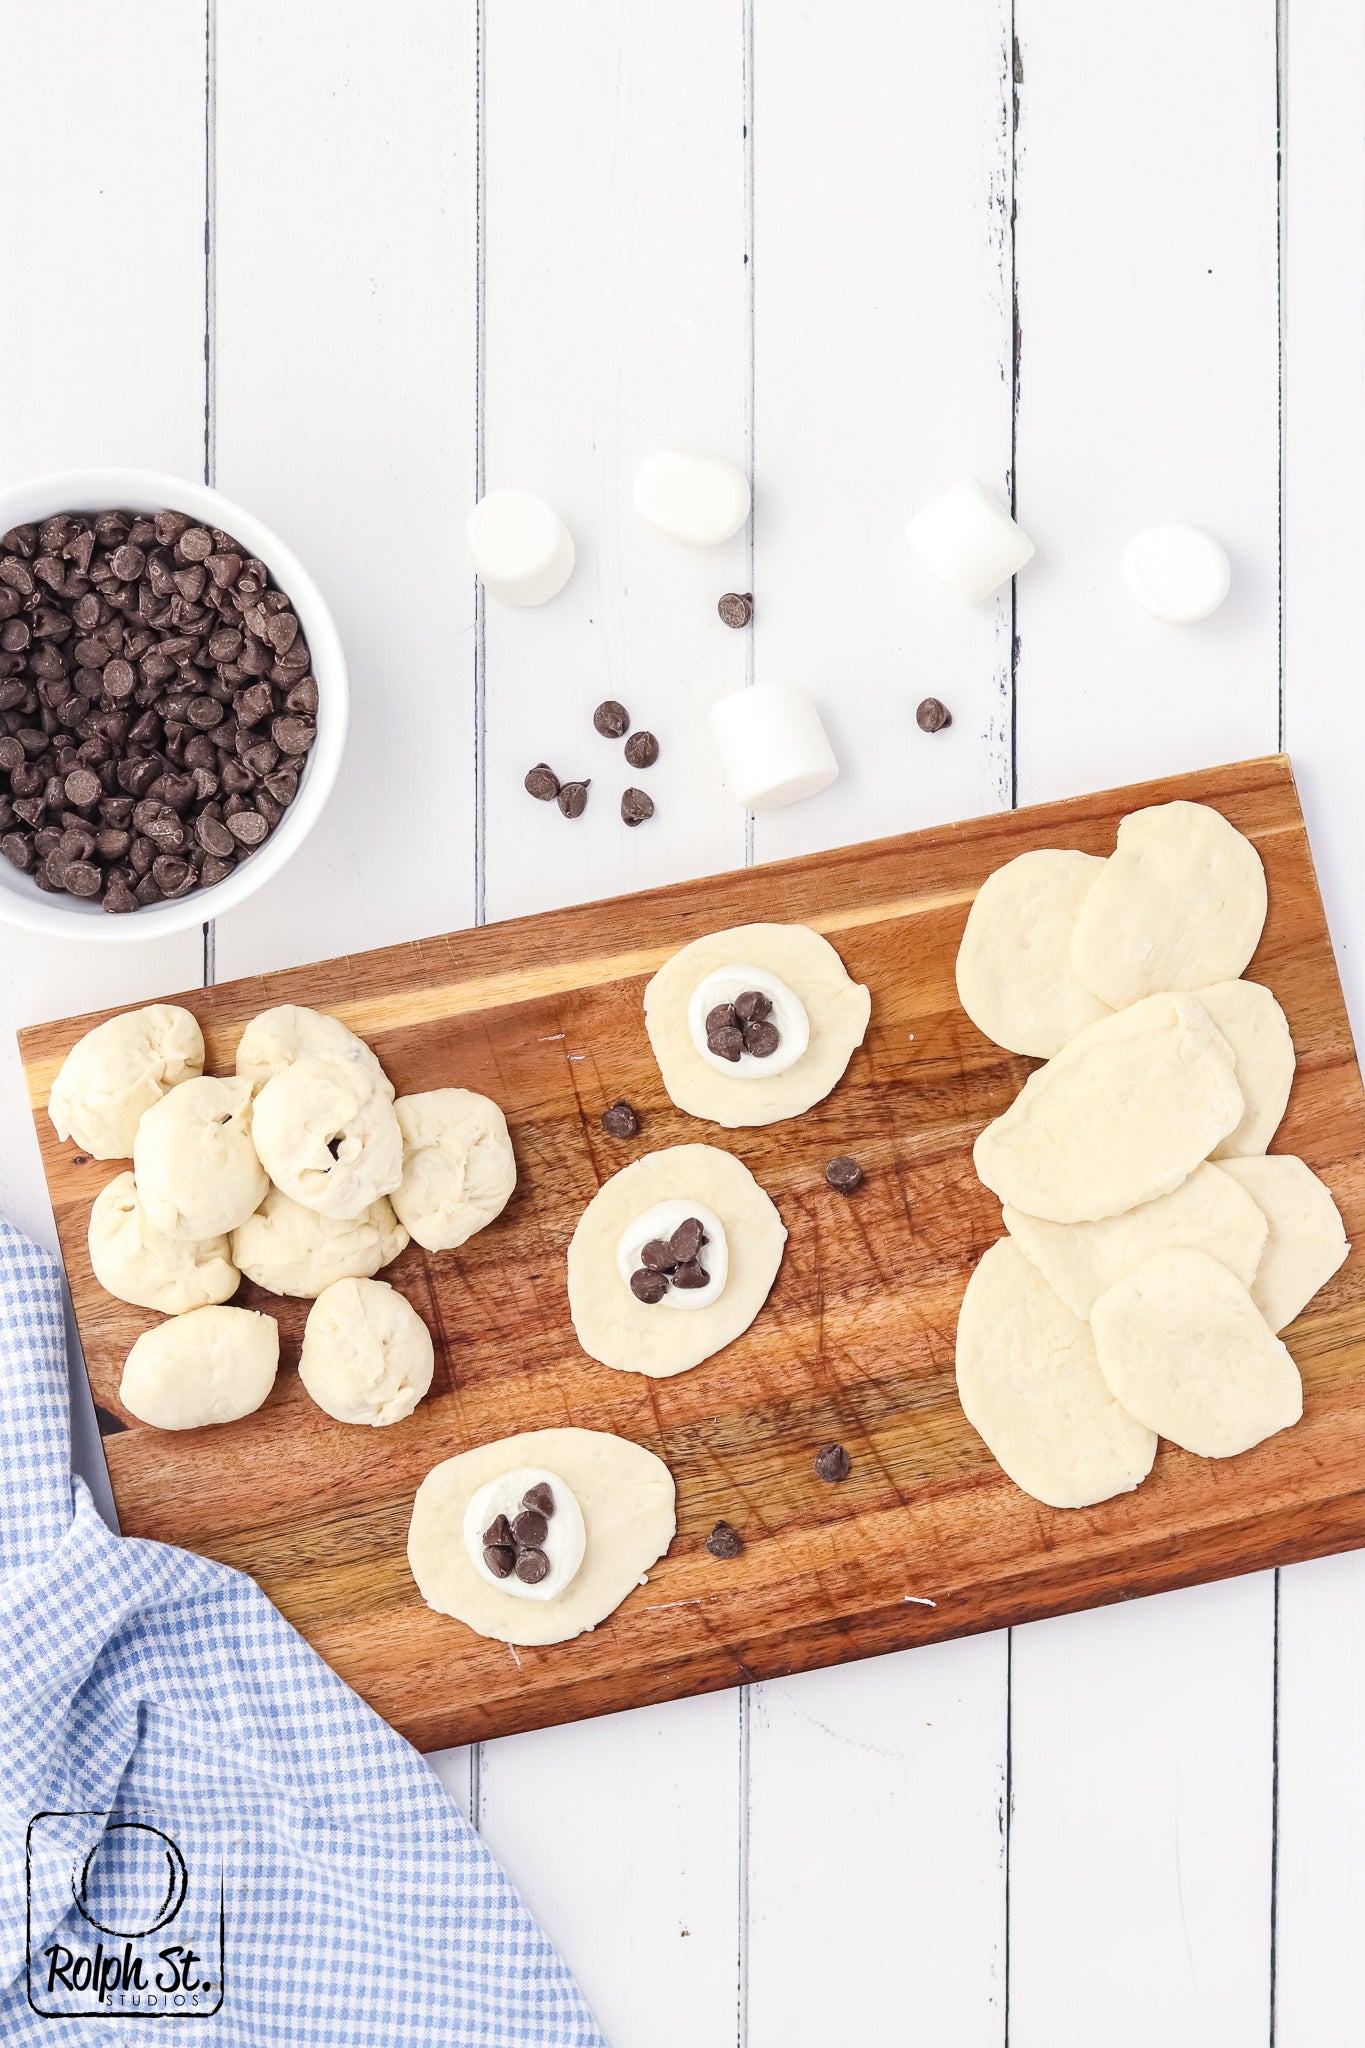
{"x":1155,"y":1248}
{"x":300,"y":1170}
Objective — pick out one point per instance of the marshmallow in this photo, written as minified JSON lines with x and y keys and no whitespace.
{"x":523,"y":552}
{"x":788,"y":1014}
{"x":660,"y":1222}
{"x":773,"y":747}
{"x":564,"y":1543}
{"x":969,"y":540}
{"x":700,"y":499}
{"x":1180,"y":573}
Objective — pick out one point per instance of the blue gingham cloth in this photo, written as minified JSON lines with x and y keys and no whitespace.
{"x":158,"y":1715}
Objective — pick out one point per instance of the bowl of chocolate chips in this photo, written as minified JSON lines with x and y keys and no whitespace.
{"x":172,"y":704}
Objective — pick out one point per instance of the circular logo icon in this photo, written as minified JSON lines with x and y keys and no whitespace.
{"x":133,"y":1880}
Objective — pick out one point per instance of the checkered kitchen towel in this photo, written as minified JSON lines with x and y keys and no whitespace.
{"x":199,"y":1823}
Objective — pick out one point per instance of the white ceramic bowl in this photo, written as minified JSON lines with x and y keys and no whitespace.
{"x":22,"y":902}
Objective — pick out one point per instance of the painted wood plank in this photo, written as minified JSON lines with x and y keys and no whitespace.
{"x":1146,"y":262}
{"x":1319,"y":1995}
{"x":882,"y":373}
{"x":344,"y":349}
{"x":615,"y":322}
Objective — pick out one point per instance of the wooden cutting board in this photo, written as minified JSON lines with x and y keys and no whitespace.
{"x":926,"y":1539}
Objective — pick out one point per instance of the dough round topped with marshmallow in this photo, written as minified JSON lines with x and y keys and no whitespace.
{"x":113,"y":1075}
{"x":327,"y":1137}
{"x":367,"y":1355}
{"x":1015,"y":979}
{"x":133,"y":1260}
{"x":194,"y":1160}
{"x":617,"y":1327}
{"x":458,"y":1167}
{"x":1181,"y":904}
{"x":276,"y":1038}
{"x":800,"y":976}
{"x":624,"y":1495}
{"x":212,"y":1365}
{"x":288,"y":1249}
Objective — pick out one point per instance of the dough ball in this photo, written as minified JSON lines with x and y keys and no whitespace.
{"x":327,"y":1138}
{"x":458,"y":1168}
{"x":1255,"y":1027}
{"x":1180,"y":904}
{"x":212,"y":1365}
{"x":138,"y":1263}
{"x":617,"y":1329}
{"x":117,"y":1071}
{"x":625,"y":1495}
{"x":1014,"y":974}
{"x":288,"y":1249}
{"x":367,"y":1354}
{"x":1307,"y":1240}
{"x":275,"y":1039}
{"x":1208,"y":1212}
{"x":1120,"y":1116}
{"x":1184,"y":1347}
{"x":196,"y":1166}
{"x":1032,"y":1390}
{"x":837,"y":1011}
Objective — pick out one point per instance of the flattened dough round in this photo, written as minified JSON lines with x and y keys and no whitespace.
{"x":136,"y":1262}
{"x":458,"y":1166}
{"x":1183,"y":1346}
{"x":837,"y":1007}
{"x":616,"y":1329}
{"x":288,"y":1249}
{"x":1307,"y":1240}
{"x":117,"y":1071}
{"x":626,"y":1496}
{"x":196,"y":1166}
{"x":1209,"y":1212}
{"x":367,"y":1355}
{"x":1180,"y":904}
{"x":1256,"y":1028}
{"x":212,"y":1365}
{"x":1122,"y":1115}
{"x":1031,"y":1389}
{"x":327,"y":1137}
{"x":1014,"y":974}
{"x":276,"y":1038}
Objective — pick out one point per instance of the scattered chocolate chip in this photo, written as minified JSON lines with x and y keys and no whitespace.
{"x":501,"y":1559}
{"x":752,"y":1006}
{"x":761,"y":1040}
{"x":642,"y":750}
{"x":542,"y":782}
{"x":532,"y":1567}
{"x":620,"y":1120}
{"x":611,"y":719}
{"x":724,"y":1541}
{"x":530,"y":1529}
{"x":736,"y":608}
{"x":573,"y":799}
{"x":844,"y":1174}
{"x":688,"y":1239}
{"x":832,"y":1463}
{"x":636,"y":807}
{"x":648,"y":1287}
{"x":933,"y":716}
{"x":541,"y":1498}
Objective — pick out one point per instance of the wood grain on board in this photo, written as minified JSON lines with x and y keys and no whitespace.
{"x":926,"y":1539}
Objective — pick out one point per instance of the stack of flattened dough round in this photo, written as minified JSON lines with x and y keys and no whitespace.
{"x":1154,"y":1251}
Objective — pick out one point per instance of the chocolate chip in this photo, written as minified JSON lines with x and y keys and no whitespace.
{"x":844,"y":1174}
{"x":530,"y":1529}
{"x":620,"y":1120}
{"x":722,"y":1018}
{"x":195,"y":545}
{"x":642,"y":750}
{"x":293,"y":735}
{"x":541,"y":782}
{"x":82,"y":788}
{"x":249,"y":827}
{"x":691,"y":1273}
{"x":727,"y":1043}
{"x":658,"y":1256}
{"x":761,"y":1040}
{"x":532,"y":1567}
{"x":932,"y":716}
{"x":724,"y":1541}
{"x":736,"y":608}
{"x":573,"y":799}
{"x":499,"y":1531}
{"x":688,"y":1239}
{"x":648,"y":1287}
{"x":636,"y":807}
{"x":540,"y":1497}
{"x":832,"y":1463}
{"x":214,"y":836}
{"x":611,"y":719}
{"x":501,"y":1559}
{"x":82,"y":878}
{"x":752,"y":1006}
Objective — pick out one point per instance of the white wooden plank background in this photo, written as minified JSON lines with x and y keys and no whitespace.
{"x":380,"y":262}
